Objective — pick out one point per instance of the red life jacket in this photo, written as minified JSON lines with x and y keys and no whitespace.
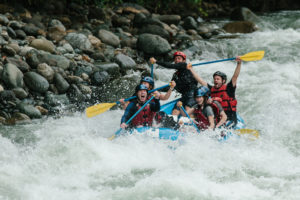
{"x":228,"y":103}
{"x":202,"y":120}
{"x":144,"y":118}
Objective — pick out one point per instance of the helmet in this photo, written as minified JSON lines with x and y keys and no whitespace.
{"x":223,"y":75}
{"x":201,"y":91}
{"x":179,"y":53}
{"x":148,"y":79}
{"x":141,"y":87}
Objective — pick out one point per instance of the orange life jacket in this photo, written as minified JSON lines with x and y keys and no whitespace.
{"x":144,"y":118}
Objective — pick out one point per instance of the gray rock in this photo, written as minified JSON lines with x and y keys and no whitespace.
{"x":34,"y":57}
{"x":7,"y":95}
{"x":99,"y":78}
{"x":36,"y":82}
{"x":109,"y":38}
{"x":2,"y":41}
{"x":1,"y":88}
{"x":170,"y":19}
{"x":29,"y":110}
{"x":11,"y":32}
{"x":18,"y":118}
{"x":20,"y":93}
{"x":125,"y":61}
{"x":15,"y":25}
{"x":189,"y":23}
{"x":75,"y":94}
{"x":244,"y":14}
{"x":43,"y":44}
{"x":60,"y":83}
{"x":56,"y":100}
{"x":153,"y":44}
{"x":31,"y":29}
{"x":112,"y":69}
{"x":3,"y":20}
{"x":156,"y":30}
{"x":46,"y":71}
{"x":79,"y":40}
{"x":139,"y":19}
{"x":240,"y":27}
{"x":12,"y":76}
{"x":129,"y":42}
{"x":20,"y":34}
{"x":9,"y":50}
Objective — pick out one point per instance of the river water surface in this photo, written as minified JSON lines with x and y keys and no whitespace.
{"x":71,"y":158}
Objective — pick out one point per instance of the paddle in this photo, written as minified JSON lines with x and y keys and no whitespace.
{"x":131,"y":118}
{"x":103,"y":107}
{"x":244,"y":131}
{"x":252,"y":56}
{"x":190,"y":119}
{"x":151,"y":70}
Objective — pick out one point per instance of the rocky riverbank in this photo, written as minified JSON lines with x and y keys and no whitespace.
{"x":52,"y":64}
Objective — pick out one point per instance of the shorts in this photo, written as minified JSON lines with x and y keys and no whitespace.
{"x":187,"y":99}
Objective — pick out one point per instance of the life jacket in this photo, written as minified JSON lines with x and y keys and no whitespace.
{"x":202,"y":120}
{"x":144,"y":118}
{"x":228,"y":103}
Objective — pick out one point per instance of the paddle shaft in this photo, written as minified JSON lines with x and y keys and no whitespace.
{"x":133,"y":97}
{"x":151,"y":70}
{"x":204,"y":63}
{"x":190,"y":119}
{"x":135,"y":114}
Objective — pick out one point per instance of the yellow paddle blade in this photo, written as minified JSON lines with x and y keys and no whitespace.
{"x":98,"y":109}
{"x":253,"y":56}
{"x":112,"y":137}
{"x":253,"y":134}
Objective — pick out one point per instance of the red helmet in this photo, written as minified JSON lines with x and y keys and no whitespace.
{"x":179,"y":53}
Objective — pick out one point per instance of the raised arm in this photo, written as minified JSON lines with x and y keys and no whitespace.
{"x":196,"y":76}
{"x":236,"y":71}
{"x":177,"y":66}
{"x":168,"y":94}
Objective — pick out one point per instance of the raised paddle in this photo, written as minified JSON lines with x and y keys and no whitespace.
{"x":182,"y":108}
{"x":131,"y":118}
{"x":252,"y":56}
{"x":103,"y":107}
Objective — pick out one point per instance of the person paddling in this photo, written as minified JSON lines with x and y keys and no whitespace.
{"x":207,"y":115}
{"x":145,"y":117}
{"x":223,"y":91}
{"x":185,"y":81}
{"x":149,"y":82}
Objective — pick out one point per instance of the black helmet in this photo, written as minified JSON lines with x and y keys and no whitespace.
{"x":148,"y":79}
{"x":141,"y":87}
{"x":201,"y":91}
{"x":221,"y":74}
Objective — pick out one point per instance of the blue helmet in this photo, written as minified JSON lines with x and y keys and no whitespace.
{"x":202,"y":91}
{"x":149,"y":80}
{"x":141,"y":87}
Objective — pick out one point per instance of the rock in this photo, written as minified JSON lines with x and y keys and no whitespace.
{"x":112,"y":69}
{"x":120,"y":21}
{"x":240,"y":27}
{"x":139,"y":20}
{"x":189,"y":23}
{"x":20,"y":34}
{"x":12,"y":76}
{"x":153,"y":44}
{"x":43,"y":44}
{"x":75,"y":79}
{"x":132,"y":8}
{"x":244,"y":14}
{"x":11,"y":32}
{"x":85,"y":89}
{"x":18,"y":118}
{"x":125,"y":61}
{"x":42,"y":110}
{"x":29,"y":110}
{"x":1,"y":88}
{"x":56,"y":33}
{"x":156,"y":30}
{"x":20,"y":93}
{"x":75,"y":94}
{"x":56,"y":100}
{"x":34,"y":57}
{"x":60,"y":83}
{"x":3,"y":20}
{"x":46,"y":71}
{"x":94,"y":41}
{"x":15,"y":47}
{"x":129,"y":42}
{"x":15,"y":24}
{"x":8,"y":50}
{"x":7,"y":95}
{"x":79,"y":40}
{"x":109,"y":38}
{"x":170,"y":19}
{"x":31,"y":29}
{"x":99,"y":78}
{"x":2,"y":120}
{"x":36,"y":82}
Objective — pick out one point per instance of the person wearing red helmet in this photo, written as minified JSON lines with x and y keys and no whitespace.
{"x":221,"y":90}
{"x":146,"y":116}
{"x":184,"y":79}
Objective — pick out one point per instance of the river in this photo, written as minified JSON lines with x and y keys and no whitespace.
{"x":71,"y":158}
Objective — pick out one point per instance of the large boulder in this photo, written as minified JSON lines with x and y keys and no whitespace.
{"x":29,"y":110}
{"x":240,"y":27}
{"x":79,"y":41}
{"x":189,"y":23}
{"x":153,"y":44}
{"x":244,"y":14}
{"x":156,"y":30}
{"x":109,"y":38}
{"x":12,"y":76}
{"x":43,"y":44}
{"x":36,"y":82}
{"x":60,"y":83}
{"x":56,"y":30}
{"x":125,"y":61}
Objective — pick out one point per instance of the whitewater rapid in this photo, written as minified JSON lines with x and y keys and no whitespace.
{"x":71,"y":158}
